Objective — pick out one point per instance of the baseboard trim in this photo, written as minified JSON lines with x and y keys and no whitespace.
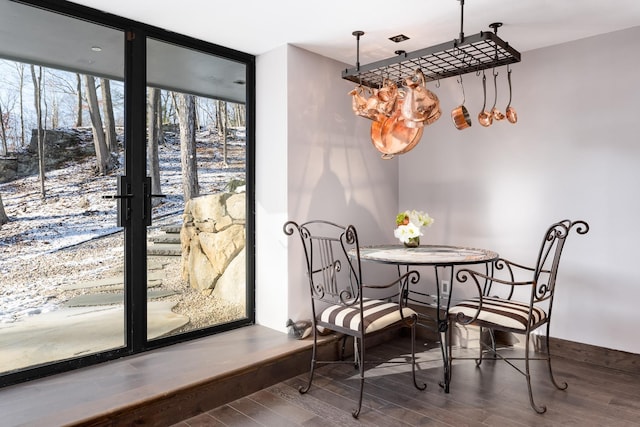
{"x":595,"y":355}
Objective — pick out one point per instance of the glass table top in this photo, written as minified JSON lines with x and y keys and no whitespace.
{"x":426,"y":255}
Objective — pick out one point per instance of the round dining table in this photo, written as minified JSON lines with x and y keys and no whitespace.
{"x":441,"y":258}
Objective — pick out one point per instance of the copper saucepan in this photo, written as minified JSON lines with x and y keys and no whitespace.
{"x":460,"y":114}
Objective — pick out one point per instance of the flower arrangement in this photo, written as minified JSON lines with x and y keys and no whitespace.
{"x":409,"y":226}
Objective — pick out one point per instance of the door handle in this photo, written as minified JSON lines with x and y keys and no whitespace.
{"x":146,"y":208}
{"x":124,"y":204}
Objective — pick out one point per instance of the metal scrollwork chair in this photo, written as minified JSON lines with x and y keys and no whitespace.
{"x":337,"y":301}
{"x":532,"y":311}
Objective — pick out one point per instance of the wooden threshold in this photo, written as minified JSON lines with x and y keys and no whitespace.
{"x":162,"y":386}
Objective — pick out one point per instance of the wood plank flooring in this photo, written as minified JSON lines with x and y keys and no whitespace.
{"x":492,"y":395}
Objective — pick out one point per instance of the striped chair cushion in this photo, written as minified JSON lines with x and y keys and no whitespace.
{"x":498,"y":311}
{"x":377,"y":315}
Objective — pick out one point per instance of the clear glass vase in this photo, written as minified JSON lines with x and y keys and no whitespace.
{"x":413,"y":242}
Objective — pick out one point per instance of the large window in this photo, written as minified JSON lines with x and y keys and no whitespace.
{"x":126,"y":167}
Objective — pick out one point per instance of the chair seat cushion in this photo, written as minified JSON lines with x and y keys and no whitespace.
{"x":377,"y":315}
{"x":503,"y":312}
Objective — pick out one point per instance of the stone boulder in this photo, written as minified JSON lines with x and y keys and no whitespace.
{"x":213,"y":240}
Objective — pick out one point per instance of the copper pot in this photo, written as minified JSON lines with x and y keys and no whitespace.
{"x":461,"y":118}
{"x":460,"y":114}
{"x":421,"y":106}
{"x":392,"y":136}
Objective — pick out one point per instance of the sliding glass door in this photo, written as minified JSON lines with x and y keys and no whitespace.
{"x":125,"y":175}
{"x":197,"y":174}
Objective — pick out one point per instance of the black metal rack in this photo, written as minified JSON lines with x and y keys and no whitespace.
{"x":473,"y":54}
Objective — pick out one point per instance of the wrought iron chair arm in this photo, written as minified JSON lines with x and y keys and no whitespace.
{"x":464,"y":274}
{"x":410,"y":277}
{"x":502,"y":263}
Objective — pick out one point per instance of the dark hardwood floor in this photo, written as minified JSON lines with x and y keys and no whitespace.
{"x":492,"y":395}
{"x":250,"y":376}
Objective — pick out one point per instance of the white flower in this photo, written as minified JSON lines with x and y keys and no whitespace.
{"x":421,"y":219}
{"x":406,"y":232}
{"x":410,"y":224}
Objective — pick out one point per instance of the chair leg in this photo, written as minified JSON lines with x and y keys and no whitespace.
{"x":413,"y":357}
{"x":344,"y":343}
{"x":447,"y":355}
{"x":480,"y":347}
{"x":304,"y":389}
{"x":359,"y":341}
{"x":539,"y":409}
{"x":553,"y":380}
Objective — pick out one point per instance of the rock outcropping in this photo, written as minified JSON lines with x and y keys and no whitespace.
{"x":213,"y":245}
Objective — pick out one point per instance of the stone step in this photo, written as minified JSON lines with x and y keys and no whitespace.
{"x":166,"y":249}
{"x":104,"y":298}
{"x":172,"y":229}
{"x":165,"y":238}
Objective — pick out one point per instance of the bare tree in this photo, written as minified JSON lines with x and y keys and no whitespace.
{"x":169,"y":108}
{"x":20,"y":68}
{"x":55,"y":114}
{"x":103,"y":157}
{"x":79,"y":100}
{"x":222,"y":122}
{"x":109,"y":121}
{"x":3,"y":215}
{"x":155,"y":134}
{"x":239,"y":115}
{"x":187,"y":118}
{"x":3,"y":132}
{"x":37,"y":86}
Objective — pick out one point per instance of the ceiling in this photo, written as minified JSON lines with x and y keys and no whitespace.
{"x":259,"y":26}
{"x":325,"y":27}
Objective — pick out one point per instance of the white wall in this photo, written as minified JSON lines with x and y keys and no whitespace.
{"x":574,"y":153}
{"x":321,"y":165}
{"x":271,"y":188}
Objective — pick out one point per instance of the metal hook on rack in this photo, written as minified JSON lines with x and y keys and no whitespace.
{"x":459,"y":80}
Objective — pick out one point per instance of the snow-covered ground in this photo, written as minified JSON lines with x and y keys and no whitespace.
{"x":74,"y":211}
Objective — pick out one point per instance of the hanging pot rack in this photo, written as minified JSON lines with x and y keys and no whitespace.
{"x":463,"y":55}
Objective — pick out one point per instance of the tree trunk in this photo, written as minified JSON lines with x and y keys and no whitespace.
{"x":3,"y":215}
{"x":79,"y":101}
{"x":223,"y":122}
{"x":155,"y":134}
{"x":37,"y":80}
{"x":219,"y":120}
{"x":20,"y":68}
{"x":187,"y":120}
{"x":3,"y":134}
{"x":109,"y":121}
{"x":103,"y":157}
{"x":55,"y":115}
